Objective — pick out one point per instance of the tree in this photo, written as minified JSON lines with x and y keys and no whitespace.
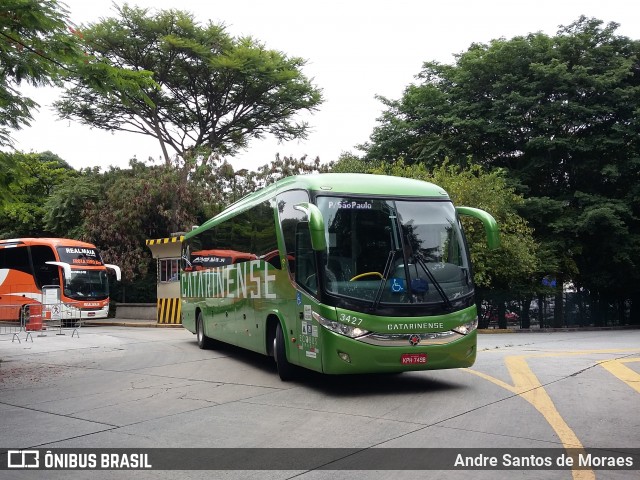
{"x":134,"y":205}
{"x":35,"y":46}
{"x":39,"y":47}
{"x":215,"y":92}
{"x":31,"y":180}
{"x":64,"y":208}
{"x":560,"y":115}
{"x":34,"y":43}
{"x":280,"y":168}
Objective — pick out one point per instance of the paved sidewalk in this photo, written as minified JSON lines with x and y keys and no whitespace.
{"x":129,"y":322}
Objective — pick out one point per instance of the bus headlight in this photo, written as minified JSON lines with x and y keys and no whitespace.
{"x":467,"y":328}
{"x":341,"y":328}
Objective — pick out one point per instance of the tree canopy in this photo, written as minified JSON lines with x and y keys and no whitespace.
{"x":35,"y":48}
{"x":214,"y":92}
{"x":31,"y":179}
{"x":40,"y":47}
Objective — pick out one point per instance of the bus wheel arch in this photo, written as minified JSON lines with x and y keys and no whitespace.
{"x":272,"y":322}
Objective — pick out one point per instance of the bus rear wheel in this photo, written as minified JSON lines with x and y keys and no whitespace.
{"x":204,"y":342}
{"x":286,"y":371}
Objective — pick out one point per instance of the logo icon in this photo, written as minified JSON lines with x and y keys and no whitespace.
{"x":414,"y":339}
{"x":397,"y":285}
{"x":23,"y":459}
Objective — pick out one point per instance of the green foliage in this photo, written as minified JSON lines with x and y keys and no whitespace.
{"x":30,"y":181}
{"x":285,"y":167}
{"x":65,"y":206}
{"x":9,"y":170}
{"x":537,"y":104}
{"x":38,"y":47}
{"x":134,"y":205}
{"x":34,"y":47}
{"x":351,"y":163}
{"x":215,"y":92}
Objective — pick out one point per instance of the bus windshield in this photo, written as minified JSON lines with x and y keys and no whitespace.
{"x":385,"y":251}
{"x":87,"y":285}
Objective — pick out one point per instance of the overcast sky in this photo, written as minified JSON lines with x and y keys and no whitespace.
{"x":355,"y":50}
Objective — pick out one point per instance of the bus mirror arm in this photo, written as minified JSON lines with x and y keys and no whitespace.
{"x":316,"y":225}
{"x":65,"y":267}
{"x":490,"y":225}
{"x":116,"y":269}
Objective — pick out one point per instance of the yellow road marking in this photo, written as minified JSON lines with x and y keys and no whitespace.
{"x":527,"y":386}
{"x":622,"y":372}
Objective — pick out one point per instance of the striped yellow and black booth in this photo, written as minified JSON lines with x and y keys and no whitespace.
{"x":168,"y":307}
{"x":169,"y":310}
{"x":160,"y":241}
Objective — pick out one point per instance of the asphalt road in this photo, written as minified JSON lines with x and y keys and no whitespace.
{"x":119,"y":387}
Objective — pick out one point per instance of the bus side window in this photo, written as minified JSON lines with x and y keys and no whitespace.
{"x":16,"y":259}
{"x":290,"y":220}
{"x":44,"y":274}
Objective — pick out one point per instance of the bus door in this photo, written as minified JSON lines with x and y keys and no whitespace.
{"x":296,"y":311}
{"x":307,"y":331}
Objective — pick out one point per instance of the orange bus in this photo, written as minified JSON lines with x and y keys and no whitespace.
{"x":60,"y":271}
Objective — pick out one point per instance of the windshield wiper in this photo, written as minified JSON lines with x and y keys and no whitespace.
{"x":385,"y":276}
{"x":423,"y":264}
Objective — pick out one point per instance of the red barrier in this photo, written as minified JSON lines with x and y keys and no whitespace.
{"x":34,"y":322}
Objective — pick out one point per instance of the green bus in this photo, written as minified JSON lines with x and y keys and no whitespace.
{"x":337,"y":273}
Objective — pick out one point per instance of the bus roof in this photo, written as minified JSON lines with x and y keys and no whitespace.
{"x":54,"y":242}
{"x":331,"y":184}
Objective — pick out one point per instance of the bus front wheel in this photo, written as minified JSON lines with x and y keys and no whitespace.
{"x":286,"y":371}
{"x":204,"y":342}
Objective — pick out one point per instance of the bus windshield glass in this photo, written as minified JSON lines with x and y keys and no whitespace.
{"x":385,"y":251}
{"x":87,"y":285}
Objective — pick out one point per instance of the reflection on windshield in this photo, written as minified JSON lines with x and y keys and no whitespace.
{"x":87,"y":285}
{"x":394,"y":252}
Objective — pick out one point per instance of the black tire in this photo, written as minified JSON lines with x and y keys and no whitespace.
{"x":286,"y":371}
{"x":204,"y":342}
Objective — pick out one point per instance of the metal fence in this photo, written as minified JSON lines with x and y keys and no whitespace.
{"x":12,"y":324}
{"x":39,"y":319}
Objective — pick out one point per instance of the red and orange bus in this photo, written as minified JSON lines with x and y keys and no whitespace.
{"x":53,"y":270}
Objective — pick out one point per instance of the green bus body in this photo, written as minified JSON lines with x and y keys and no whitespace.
{"x":337,"y":273}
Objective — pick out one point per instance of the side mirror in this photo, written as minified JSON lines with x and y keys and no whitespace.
{"x":116,"y":269}
{"x":316,"y":225}
{"x":490,"y":225}
{"x":66,"y":269}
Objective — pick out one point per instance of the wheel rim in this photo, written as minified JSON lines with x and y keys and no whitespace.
{"x":275,"y":348}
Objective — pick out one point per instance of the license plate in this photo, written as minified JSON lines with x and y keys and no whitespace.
{"x":413,"y":358}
